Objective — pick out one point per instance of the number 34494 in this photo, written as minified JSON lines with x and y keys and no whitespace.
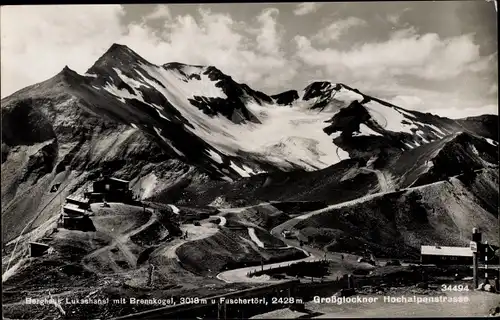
{"x":459,"y":287}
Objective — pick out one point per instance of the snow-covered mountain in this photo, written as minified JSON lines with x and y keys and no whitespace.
{"x":345,"y":171}
{"x":205,"y":118}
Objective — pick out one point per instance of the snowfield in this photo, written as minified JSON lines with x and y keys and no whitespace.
{"x":285,"y":136}
{"x":389,"y":118}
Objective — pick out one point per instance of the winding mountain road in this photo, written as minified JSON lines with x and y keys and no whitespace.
{"x":241,"y":275}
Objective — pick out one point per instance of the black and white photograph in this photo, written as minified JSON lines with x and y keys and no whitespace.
{"x":250,"y":160}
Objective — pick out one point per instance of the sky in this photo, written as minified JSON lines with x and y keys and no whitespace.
{"x":437,"y":56}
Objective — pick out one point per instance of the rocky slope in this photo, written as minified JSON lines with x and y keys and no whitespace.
{"x":192,"y":134}
{"x":202,"y":116}
{"x":396,"y":224}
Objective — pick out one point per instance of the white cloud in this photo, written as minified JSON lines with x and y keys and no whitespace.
{"x":38,"y":41}
{"x":51,"y":37}
{"x":393,"y":18}
{"x":405,"y":54}
{"x":160,"y":12}
{"x":454,"y":105}
{"x":306,"y":8}
{"x":253,"y":51}
{"x":455,"y":113}
{"x":338,"y":28}
{"x":269,"y":38}
{"x":435,"y":104}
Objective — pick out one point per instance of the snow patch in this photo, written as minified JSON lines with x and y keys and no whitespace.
{"x":188,"y":89}
{"x":347,"y":96}
{"x":174,"y":209}
{"x":239,"y":170}
{"x":336,"y":134}
{"x":168,"y":142}
{"x":364,"y":130}
{"x":492,"y":142}
{"x":390,"y":118}
{"x":437,"y":130}
{"x":408,"y":145}
{"x":215,"y":156}
{"x":120,"y":94}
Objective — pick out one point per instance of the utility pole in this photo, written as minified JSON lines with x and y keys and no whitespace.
{"x":476,"y":240}
{"x":486,"y":262}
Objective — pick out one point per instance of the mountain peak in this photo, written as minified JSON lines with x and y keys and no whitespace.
{"x":67,"y":71}
{"x":120,"y":50}
{"x":117,"y":55}
{"x":66,"y":75}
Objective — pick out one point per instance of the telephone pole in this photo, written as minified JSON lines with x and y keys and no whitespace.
{"x":475,"y":243}
{"x":486,"y":262}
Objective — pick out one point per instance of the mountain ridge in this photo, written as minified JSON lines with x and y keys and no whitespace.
{"x":125,"y":88}
{"x":356,"y":172}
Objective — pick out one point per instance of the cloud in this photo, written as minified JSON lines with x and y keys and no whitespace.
{"x":453,"y":105}
{"x":51,"y":37}
{"x":160,"y":12}
{"x":256,"y":51}
{"x":405,"y":54}
{"x":269,"y":38}
{"x":456,"y":113}
{"x":433,"y":104}
{"x":393,"y":18}
{"x":306,"y":8}
{"x":338,"y":28}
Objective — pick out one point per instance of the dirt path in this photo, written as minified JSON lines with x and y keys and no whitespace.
{"x":205,"y":230}
{"x":120,"y":242}
{"x":240,"y":209}
{"x":253,"y":236}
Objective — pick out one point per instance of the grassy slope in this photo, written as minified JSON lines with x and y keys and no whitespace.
{"x":322,"y":185}
{"x":396,"y":224}
{"x":228,"y":249}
